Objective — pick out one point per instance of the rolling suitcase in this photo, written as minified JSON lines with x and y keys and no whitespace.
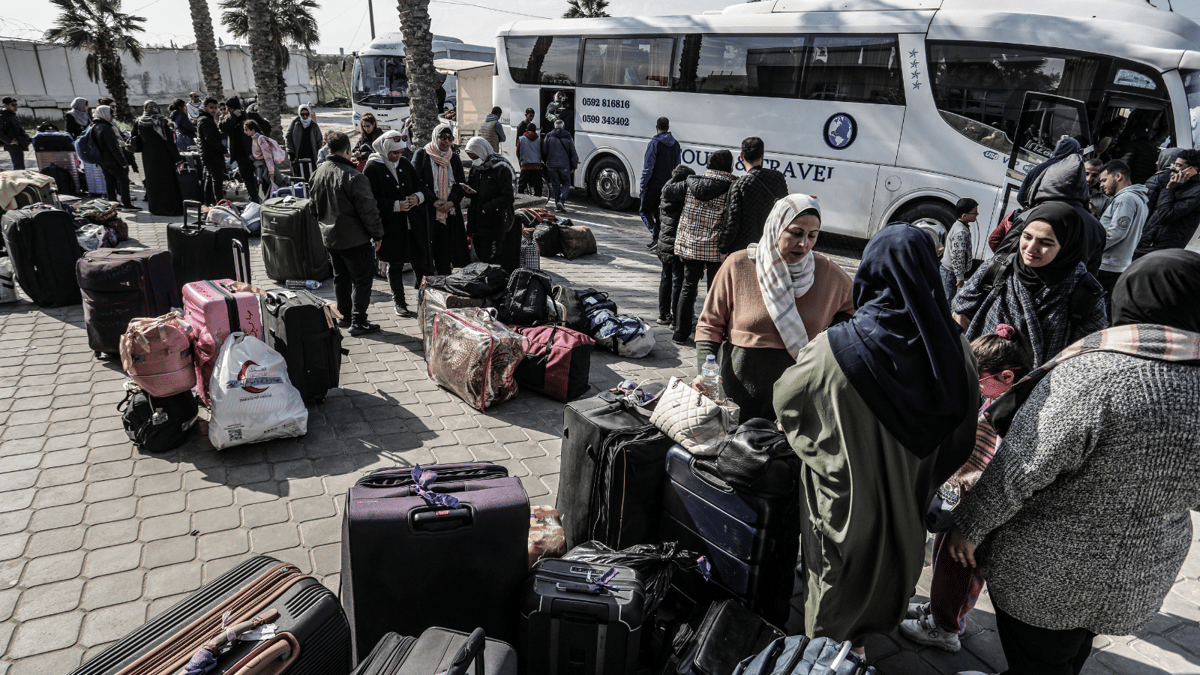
{"x":581,"y":619}
{"x":408,"y":565}
{"x":41,"y":242}
{"x":299,"y":325}
{"x":311,"y":636}
{"x":189,"y":184}
{"x":215,"y":310}
{"x":439,"y":652}
{"x":727,"y":634}
{"x":751,"y":540}
{"x":291,"y":241}
{"x":610,"y":483}
{"x":120,"y":284}
{"x":200,"y":251}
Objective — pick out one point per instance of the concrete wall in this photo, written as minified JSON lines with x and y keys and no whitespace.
{"x":46,"y":77}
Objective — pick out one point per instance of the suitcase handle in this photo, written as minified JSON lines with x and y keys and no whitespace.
{"x":440,"y":518}
{"x":471,"y":651}
{"x":188,"y":203}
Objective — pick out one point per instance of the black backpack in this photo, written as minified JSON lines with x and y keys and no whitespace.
{"x":1083,"y":297}
{"x":526,"y":302}
{"x":158,"y":424}
{"x":478,"y":280}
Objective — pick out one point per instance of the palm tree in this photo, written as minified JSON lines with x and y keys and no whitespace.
{"x":417,"y":34}
{"x":100,"y":28}
{"x":292,"y":24}
{"x":262,"y":53}
{"x":210,"y":67}
{"x":583,"y":9}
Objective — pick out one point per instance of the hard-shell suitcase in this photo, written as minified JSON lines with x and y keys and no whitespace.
{"x":610,"y":483}
{"x":41,"y":242}
{"x":557,"y":363}
{"x":291,"y":241}
{"x":581,"y":619}
{"x":311,"y":634}
{"x":299,"y":325}
{"x":727,"y":634}
{"x":751,"y":541}
{"x":215,"y":310}
{"x":439,"y":652}
{"x":408,"y":565}
{"x":120,"y":284}
{"x":200,"y":251}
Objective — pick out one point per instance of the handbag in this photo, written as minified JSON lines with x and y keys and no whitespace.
{"x":694,"y":420}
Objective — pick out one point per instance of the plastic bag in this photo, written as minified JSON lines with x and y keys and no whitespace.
{"x":474,"y":356}
{"x":252,"y":398}
{"x":93,"y":237}
{"x":547,"y":538}
{"x":223,"y":215}
{"x":252,"y":217}
{"x":656,"y":562}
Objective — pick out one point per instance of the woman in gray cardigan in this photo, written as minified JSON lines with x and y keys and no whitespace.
{"x":1081,"y":520}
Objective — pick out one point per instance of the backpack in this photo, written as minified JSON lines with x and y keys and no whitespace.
{"x":478,"y":280}
{"x":569,"y":304}
{"x":801,"y":655}
{"x":157,"y":424}
{"x":592,"y":301}
{"x":526,"y":302}
{"x":277,"y":153}
{"x":1083,"y":297}
{"x":86,"y":146}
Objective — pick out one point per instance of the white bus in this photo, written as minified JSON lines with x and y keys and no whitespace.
{"x":379,"y":83}
{"x":892,"y":111}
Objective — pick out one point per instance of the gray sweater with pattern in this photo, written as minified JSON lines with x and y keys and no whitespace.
{"x":1083,"y":515}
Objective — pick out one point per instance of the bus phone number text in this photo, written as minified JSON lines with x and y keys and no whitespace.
{"x":604,"y":103}
{"x":597,"y":119}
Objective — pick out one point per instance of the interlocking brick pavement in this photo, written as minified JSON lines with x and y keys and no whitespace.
{"x":96,"y":536}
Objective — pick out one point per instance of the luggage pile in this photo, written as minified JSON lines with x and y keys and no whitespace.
{"x":97,"y":221}
{"x":554,"y":237}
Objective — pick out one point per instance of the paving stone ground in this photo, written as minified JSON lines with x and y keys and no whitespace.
{"x":96,"y":537}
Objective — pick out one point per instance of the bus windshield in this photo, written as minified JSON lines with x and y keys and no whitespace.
{"x":380,"y":80}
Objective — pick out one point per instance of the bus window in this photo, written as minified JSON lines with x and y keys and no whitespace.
{"x":628,"y":62}
{"x":854,"y":69}
{"x":1191,"y":85}
{"x":543,"y":60}
{"x":742,"y":65}
{"x":380,"y":79}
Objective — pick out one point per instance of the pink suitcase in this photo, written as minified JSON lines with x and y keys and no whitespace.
{"x":215,"y":310}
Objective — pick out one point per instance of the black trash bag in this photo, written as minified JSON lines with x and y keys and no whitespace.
{"x":656,"y":563}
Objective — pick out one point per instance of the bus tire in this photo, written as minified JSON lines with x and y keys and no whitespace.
{"x":926,"y":210}
{"x":609,"y":184}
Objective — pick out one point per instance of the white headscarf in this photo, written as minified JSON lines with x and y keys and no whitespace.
{"x":389,"y":142}
{"x":79,"y":111}
{"x":480,"y":148}
{"x":780,"y":282}
{"x":305,"y":122}
{"x":104,"y":112}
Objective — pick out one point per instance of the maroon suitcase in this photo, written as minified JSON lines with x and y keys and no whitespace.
{"x":121,"y":284}
{"x":408,"y":565}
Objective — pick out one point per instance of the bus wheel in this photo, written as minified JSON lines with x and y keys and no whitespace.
{"x":609,"y":184}
{"x":927,"y":210}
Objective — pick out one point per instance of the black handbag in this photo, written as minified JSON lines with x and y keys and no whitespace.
{"x":478,"y":280}
{"x":158,"y":424}
{"x":756,"y":459}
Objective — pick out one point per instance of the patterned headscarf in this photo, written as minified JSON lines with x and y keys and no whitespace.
{"x":780,"y":282}
{"x":441,"y":185}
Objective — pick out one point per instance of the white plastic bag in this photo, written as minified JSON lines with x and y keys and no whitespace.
{"x":8,"y":288}
{"x":252,"y":217}
{"x":252,"y":398}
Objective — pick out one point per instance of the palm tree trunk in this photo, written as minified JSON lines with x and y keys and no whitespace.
{"x":210,"y":67}
{"x":417,"y":32}
{"x":262,"y":53}
{"x":281,"y":58}
{"x":113,"y":74}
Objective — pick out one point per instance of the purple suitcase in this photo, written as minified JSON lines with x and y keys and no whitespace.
{"x":408,"y":565}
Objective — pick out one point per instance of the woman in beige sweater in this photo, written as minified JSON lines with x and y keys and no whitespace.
{"x":768,"y":301}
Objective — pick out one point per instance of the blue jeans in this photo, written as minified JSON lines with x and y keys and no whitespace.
{"x":949,"y":283}
{"x":18,"y":159}
{"x":560,"y":183}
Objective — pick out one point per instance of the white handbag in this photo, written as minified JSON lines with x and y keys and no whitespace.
{"x":694,"y":420}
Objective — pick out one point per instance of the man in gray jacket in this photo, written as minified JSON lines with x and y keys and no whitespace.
{"x":1123,"y":221}
{"x":350,"y":229}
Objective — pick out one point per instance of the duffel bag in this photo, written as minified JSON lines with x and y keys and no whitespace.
{"x":568,"y":302}
{"x":547,"y":238}
{"x":473,"y":355}
{"x":157,"y":354}
{"x":478,"y":280}
{"x":577,"y":241}
{"x":625,"y":335}
{"x":557,"y":363}
{"x":157,"y":424}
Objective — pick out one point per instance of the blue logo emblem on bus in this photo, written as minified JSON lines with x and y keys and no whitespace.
{"x":840,"y":131}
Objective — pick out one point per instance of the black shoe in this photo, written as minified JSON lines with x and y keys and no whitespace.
{"x":651,"y":245}
{"x":679,"y":341}
{"x":343,"y":323}
{"x":363,"y":328}
{"x":404,"y":312}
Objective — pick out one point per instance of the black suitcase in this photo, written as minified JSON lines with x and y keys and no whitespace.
{"x":610,"y":483}
{"x":41,"y":242}
{"x":189,"y":185}
{"x":408,"y":565}
{"x":439,"y":652}
{"x":120,"y":284}
{"x":298,"y":325}
{"x":201,"y":251}
{"x":311,"y":628}
{"x":727,"y":634}
{"x":576,"y":619}
{"x":291,"y":241}
{"x":751,"y":541}
{"x":63,"y":181}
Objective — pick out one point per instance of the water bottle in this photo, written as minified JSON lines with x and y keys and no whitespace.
{"x":297,"y":284}
{"x":711,"y":378}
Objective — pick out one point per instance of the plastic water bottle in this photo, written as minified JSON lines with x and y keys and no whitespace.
{"x":297,"y":284}
{"x":711,"y":378}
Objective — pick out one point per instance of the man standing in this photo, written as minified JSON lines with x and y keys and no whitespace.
{"x":1097,"y":199}
{"x":440,"y":92}
{"x":1175,"y":214}
{"x":957,"y":258}
{"x":751,"y":198}
{"x":12,"y":136}
{"x":350,"y":229}
{"x":662,"y":156}
{"x":558,"y":152}
{"x":491,"y":130}
{"x":194,"y":106}
{"x":524,"y":125}
{"x":1123,"y":221}
{"x":234,"y":130}
{"x":212,"y":152}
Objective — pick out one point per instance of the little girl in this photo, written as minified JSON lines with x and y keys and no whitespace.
{"x":1004,"y":358}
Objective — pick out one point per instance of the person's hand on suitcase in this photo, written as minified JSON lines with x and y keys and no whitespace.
{"x":377,"y":243}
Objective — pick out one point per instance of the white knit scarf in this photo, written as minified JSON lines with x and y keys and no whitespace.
{"x":780,"y":282}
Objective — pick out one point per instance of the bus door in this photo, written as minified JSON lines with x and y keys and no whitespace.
{"x":1122,"y":115}
{"x":556,"y":103}
{"x":1044,"y":120}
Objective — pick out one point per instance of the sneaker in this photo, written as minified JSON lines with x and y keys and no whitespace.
{"x":666,"y":320}
{"x":558,"y":206}
{"x":404,"y":312}
{"x":364,"y":328}
{"x":925,"y":631}
{"x":917,"y":610}
{"x":343,"y":323}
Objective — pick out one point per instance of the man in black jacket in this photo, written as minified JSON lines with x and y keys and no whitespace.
{"x":212,"y":152}
{"x":1176,"y":212}
{"x":12,"y":136}
{"x":239,"y":145}
{"x":751,"y":198}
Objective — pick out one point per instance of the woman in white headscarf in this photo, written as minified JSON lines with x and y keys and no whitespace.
{"x":303,"y":142}
{"x":77,"y":117}
{"x":113,"y":161}
{"x":399,"y":193}
{"x":768,"y":301}
{"x":444,"y":246}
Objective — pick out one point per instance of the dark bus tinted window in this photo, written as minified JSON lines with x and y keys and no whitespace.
{"x":741,"y":65}
{"x":543,"y":60}
{"x":628,"y":62}
{"x":854,"y":69}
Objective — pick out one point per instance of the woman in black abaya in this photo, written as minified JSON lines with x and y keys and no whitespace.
{"x":156,"y":142}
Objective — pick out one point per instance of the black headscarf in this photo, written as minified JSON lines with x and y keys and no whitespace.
{"x":1068,"y":230}
{"x":902,"y":351}
{"x":1161,"y":288}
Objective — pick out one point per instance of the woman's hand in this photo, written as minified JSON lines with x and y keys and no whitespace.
{"x":961,"y":549}
{"x":697,"y":383}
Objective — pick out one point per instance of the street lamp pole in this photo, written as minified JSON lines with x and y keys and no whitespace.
{"x":371,"y":11}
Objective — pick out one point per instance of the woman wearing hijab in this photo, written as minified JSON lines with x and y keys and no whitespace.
{"x":881,"y":411}
{"x":303,"y":142}
{"x":1080,"y":523}
{"x":768,"y":301}
{"x":77,"y":118}
{"x":443,"y":245}
{"x":156,"y":141}
{"x":490,"y":222}
{"x":368,"y":133}
{"x":399,"y":193}
{"x":112,"y":157}
{"x":185,"y":130}
{"x":1043,"y":289}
